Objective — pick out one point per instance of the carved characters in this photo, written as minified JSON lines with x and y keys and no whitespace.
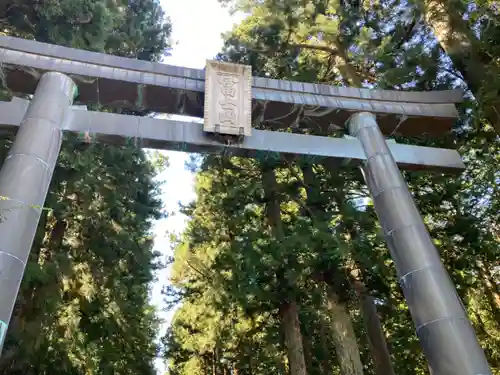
{"x":228,"y":116}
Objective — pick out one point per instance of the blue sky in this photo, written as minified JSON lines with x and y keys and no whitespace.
{"x":197,"y":26}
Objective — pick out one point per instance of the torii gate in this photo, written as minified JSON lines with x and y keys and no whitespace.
{"x":230,"y":100}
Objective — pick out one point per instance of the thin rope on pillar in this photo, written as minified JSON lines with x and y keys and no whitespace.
{"x":24,"y":181}
{"x":445,"y":332}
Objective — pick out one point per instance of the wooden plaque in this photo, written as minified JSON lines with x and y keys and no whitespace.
{"x":228,"y":98}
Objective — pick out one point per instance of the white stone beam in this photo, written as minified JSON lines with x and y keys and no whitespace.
{"x":189,"y":137}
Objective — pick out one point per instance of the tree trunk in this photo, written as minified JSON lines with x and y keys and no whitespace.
{"x":456,"y":39}
{"x":205,"y":364}
{"x":375,"y":334}
{"x":293,"y":338}
{"x":460,"y":43}
{"x":288,"y":309}
{"x":308,"y":354}
{"x":346,"y":70}
{"x":491,"y":291}
{"x":214,"y":362}
{"x":491,"y":285}
{"x":326,"y":367}
{"x":344,"y":337}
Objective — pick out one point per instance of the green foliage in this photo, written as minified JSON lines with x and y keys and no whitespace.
{"x":83,"y":307}
{"x":233,"y":267}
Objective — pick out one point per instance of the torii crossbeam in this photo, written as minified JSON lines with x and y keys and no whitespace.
{"x":230,"y":101}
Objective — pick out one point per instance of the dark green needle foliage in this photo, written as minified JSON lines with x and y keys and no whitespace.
{"x":83,"y":307}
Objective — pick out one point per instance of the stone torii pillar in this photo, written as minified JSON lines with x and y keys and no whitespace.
{"x":24,"y":181}
{"x":445,"y":332}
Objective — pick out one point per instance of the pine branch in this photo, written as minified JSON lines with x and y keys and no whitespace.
{"x":202,"y":274}
{"x":408,"y":30}
{"x":331,"y":50}
{"x":317,"y":47}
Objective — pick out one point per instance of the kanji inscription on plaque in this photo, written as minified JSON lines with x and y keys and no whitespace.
{"x":228,"y":98}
